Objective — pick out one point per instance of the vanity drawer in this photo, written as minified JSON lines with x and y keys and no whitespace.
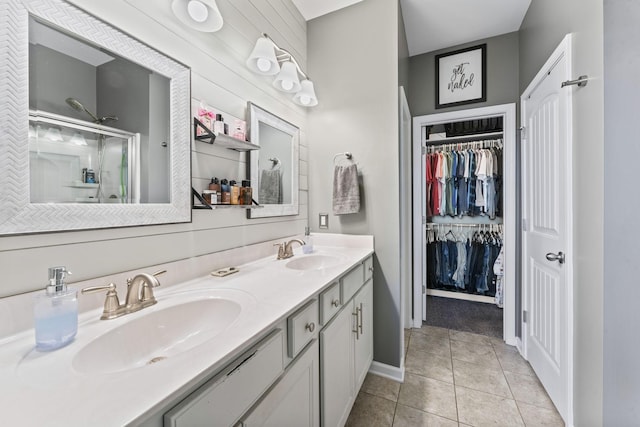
{"x":351,"y":282}
{"x":368,"y":268}
{"x":302,"y":327}
{"x":330,"y":303}
{"x":225,"y":398}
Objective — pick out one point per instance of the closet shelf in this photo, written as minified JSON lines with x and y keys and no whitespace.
{"x":220,"y":139}
{"x":465,"y":138}
{"x":460,"y":295}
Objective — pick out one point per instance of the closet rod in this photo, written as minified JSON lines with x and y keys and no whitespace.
{"x":434,"y":225}
{"x":486,"y":143}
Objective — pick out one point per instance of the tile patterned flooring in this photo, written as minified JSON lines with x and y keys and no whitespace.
{"x":455,"y":379}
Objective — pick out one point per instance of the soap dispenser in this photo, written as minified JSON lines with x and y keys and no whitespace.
{"x":307,"y":248}
{"x":56,"y":312}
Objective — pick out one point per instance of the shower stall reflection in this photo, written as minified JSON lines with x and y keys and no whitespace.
{"x":74,"y":161}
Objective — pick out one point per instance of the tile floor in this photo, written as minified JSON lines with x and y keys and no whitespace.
{"x":455,"y":378}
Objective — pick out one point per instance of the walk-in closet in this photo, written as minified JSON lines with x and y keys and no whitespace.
{"x":464,"y":212}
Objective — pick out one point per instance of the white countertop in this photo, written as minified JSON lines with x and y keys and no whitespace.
{"x":44,"y":388}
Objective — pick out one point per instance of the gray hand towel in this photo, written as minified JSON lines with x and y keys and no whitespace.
{"x":270,"y":191}
{"x":346,"y":194}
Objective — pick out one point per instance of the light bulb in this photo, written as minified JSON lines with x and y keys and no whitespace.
{"x":197,"y":11}
{"x":263,"y":64}
{"x":305,"y":99}
{"x":287,"y":84}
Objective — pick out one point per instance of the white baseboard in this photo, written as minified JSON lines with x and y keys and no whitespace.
{"x":387,"y":371}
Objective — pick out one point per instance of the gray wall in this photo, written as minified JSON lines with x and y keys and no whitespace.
{"x":621,"y":249}
{"x":72,"y":79}
{"x":353,"y":58}
{"x":544,"y":26}
{"x":502,"y":76}
{"x":220,"y":77}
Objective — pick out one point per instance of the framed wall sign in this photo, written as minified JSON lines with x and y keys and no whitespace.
{"x":461,"y":76}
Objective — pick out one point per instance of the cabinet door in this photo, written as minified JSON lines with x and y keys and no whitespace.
{"x":363,"y":304}
{"x":295,"y":399}
{"x":336,"y":365}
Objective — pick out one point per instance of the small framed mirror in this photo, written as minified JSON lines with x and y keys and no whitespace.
{"x":273,"y":169}
{"x":95,"y":125}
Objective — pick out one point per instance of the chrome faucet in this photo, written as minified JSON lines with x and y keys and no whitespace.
{"x":139,"y":295}
{"x":285,"y":249}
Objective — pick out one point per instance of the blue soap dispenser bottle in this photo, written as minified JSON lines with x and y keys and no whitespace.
{"x":56,"y":312}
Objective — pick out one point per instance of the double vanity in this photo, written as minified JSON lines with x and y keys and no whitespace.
{"x":280,"y":342}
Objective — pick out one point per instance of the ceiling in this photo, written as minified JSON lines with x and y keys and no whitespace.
{"x":436,"y":24}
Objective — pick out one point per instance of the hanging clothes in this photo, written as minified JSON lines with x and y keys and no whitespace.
{"x":461,"y":261}
{"x":465,"y":179}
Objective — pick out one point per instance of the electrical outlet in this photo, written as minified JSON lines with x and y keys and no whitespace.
{"x":324,"y":220}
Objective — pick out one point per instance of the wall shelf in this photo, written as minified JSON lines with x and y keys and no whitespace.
{"x":220,"y":139}
{"x":204,"y":205}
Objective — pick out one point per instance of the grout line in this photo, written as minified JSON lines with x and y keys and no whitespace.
{"x":453,"y":375}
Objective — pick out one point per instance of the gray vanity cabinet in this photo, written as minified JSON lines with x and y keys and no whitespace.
{"x":295,"y":399}
{"x":346,"y":347}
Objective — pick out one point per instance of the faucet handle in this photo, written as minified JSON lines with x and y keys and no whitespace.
{"x":281,"y":249}
{"x":111,"y":303}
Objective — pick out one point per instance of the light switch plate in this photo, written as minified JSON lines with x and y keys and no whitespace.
{"x":324,"y":220}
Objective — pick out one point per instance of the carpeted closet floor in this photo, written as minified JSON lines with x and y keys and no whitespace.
{"x":467,"y":316}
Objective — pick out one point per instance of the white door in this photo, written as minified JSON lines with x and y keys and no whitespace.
{"x":546,"y":152}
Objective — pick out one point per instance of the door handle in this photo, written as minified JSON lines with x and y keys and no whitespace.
{"x":556,"y":257}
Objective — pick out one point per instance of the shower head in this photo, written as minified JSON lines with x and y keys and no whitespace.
{"x":77,"y":105}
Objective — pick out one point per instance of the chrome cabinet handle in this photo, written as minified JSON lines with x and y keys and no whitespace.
{"x":335,"y":303}
{"x":556,"y":257}
{"x":360,"y":318}
{"x":357,"y":331}
{"x":310,"y":327}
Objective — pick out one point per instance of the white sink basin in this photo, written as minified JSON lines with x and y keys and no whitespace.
{"x":313,"y":262}
{"x":188,"y":321}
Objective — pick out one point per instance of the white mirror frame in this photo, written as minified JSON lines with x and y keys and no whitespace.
{"x":17,"y":214}
{"x":258,"y":115}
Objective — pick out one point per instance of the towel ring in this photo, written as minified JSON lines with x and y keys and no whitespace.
{"x":347,"y":154}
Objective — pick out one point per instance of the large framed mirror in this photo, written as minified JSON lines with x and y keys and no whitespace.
{"x":94,"y":125}
{"x":273,"y":169}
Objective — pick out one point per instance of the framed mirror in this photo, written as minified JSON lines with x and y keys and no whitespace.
{"x":273,"y":169}
{"x":95,"y":125}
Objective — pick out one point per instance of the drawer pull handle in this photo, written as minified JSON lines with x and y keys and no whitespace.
{"x":310,"y":327}
{"x":371,"y":268}
{"x":360,"y":318}
{"x":335,"y":303}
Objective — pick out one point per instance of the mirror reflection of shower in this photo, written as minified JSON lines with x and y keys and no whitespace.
{"x":77,"y":105}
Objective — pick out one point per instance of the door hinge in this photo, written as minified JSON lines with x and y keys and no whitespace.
{"x":524,"y":225}
{"x":424,"y":220}
{"x":424,"y":289}
{"x":525,"y":316}
{"x":424,"y":150}
{"x":523,"y":132}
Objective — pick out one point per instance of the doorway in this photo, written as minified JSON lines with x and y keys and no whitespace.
{"x":422,"y":226}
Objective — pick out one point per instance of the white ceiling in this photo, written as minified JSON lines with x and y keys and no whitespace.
{"x":436,"y":24}
{"x":313,"y":8}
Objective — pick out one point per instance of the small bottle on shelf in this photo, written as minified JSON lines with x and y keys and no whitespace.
{"x":235,"y":192}
{"x":246,"y":193}
{"x":226,"y":192}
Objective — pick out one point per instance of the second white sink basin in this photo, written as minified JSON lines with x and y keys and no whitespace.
{"x":313,"y":262}
{"x":186,"y":323}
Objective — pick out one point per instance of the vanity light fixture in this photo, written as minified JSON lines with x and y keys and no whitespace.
{"x":201,"y":15}
{"x":54,"y":134}
{"x":269,"y":59}
{"x":78,"y":139}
